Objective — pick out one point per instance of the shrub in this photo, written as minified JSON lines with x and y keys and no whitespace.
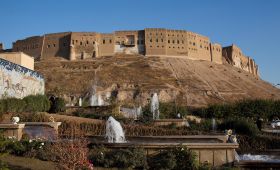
{"x":204,"y":125}
{"x":244,"y":108}
{"x":58,"y":105}
{"x":37,"y":103}
{"x":147,"y":116}
{"x":170,"y":110}
{"x":240,"y":126}
{"x":121,"y":158}
{"x":164,"y":160}
{"x":177,"y":158}
{"x":32,"y":103}
{"x":15,"y":105}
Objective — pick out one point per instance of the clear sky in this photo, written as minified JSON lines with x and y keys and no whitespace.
{"x":254,"y":25}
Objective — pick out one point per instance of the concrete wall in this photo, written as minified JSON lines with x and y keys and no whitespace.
{"x":17,"y":81}
{"x":19,"y":58}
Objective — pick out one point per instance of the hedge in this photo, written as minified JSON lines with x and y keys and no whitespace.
{"x":32,"y":103}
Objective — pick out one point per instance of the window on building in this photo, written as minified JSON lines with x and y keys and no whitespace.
{"x":104,"y":42}
{"x":168,"y":41}
{"x":87,"y":42}
{"x":151,"y":46}
{"x":53,"y":45}
{"x":161,"y":40}
{"x":173,"y":41}
{"x":49,"y":46}
{"x":162,"y":46}
{"x":182,"y":41}
{"x":93,"y":42}
{"x":81,"y":43}
{"x":156,"y":40}
{"x":151,"y":40}
{"x":110,"y":41}
{"x":178,"y":42}
{"x":158,"y":46}
{"x":194,"y":43}
{"x":73,"y":42}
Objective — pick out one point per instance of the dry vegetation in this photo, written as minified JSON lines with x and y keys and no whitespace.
{"x":198,"y":83}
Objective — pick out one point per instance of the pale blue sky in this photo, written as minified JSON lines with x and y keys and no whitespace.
{"x":253,"y":25}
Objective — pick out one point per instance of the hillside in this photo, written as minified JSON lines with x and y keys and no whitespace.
{"x":195,"y":83}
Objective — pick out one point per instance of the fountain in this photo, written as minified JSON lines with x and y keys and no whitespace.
{"x":155,"y":106}
{"x":213,"y":124}
{"x":80,"y":102}
{"x":96,"y":99}
{"x":114,"y":131}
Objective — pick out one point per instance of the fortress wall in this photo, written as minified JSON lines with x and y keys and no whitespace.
{"x":106,"y":45}
{"x":85,"y":44}
{"x":17,"y":81}
{"x":129,"y":42}
{"x":216,"y":53}
{"x":176,"y":43}
{"x":155,"y":41}
{"x":199,"y":47}
{"x":56,"y":45}
{"x":236,"y":58}
{"x":31,"y":46}
{"x":1,"y":47}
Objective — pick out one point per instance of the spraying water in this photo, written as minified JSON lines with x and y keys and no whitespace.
{"x":96,"y":99}
{"x":155,"y":106}
{"x":80,"y":102}
{"x":114,"y":131}
{"x":213,"y":124}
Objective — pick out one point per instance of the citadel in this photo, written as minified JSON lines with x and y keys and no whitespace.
{"x":148,"y":42}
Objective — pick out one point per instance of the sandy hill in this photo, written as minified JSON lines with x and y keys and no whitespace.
{"x":195,"y":83}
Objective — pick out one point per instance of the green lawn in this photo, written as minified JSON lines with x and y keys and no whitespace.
{"x":22,"y":163}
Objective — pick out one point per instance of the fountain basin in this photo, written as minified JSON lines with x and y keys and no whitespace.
{"x":12,"y":130}
{"x":166,"y":122}
{"x":211,"y":149}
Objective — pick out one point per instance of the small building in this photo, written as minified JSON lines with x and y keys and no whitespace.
{"x":17,"y":77}
{"x":19,"y":58}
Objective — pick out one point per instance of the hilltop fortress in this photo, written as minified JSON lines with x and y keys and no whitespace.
{"x":147,"y":42}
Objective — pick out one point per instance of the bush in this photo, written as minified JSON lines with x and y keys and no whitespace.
{"x":244,"y":108}
{"x":121,"y":158}
{"x":240,"y":126}
{"x":37,"y":103}
{"x":147,"y":116}
{"x":15,"y":105}
{"x":32,"y":103}
{"x":57,"y":105}
{"x":204,"y":125}
{"x":177,"y":158}
{"x":170,"y":110}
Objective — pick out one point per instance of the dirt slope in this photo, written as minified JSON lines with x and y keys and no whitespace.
{"x":195,"y":83}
